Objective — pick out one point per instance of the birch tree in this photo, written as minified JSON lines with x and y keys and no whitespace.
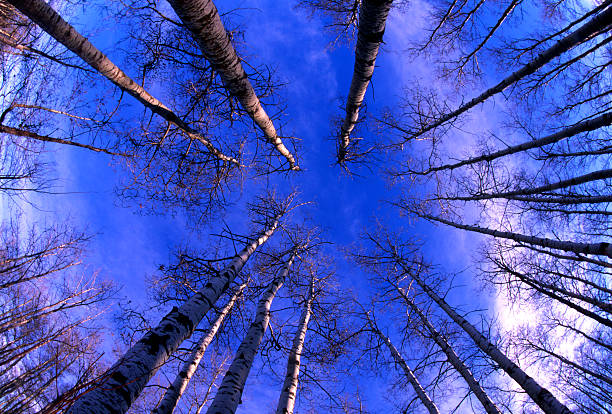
{"x":372,"y":21}
{"x":228,"y":396}
{"x":286,"y":401}
{"x":202,"y":19}
{"x":408,"y":373}
{"x":124,"y":381}
{"x":178,"y":386}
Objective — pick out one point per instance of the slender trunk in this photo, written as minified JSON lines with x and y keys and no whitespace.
{"x":453,"y":358}
{"x":372,"y":20}
{"x":595,"y":26}
{"x":51,"y":22}
{"x":565,"y":201}
{"x":599,"y":249}
{"x":176,"y":389}
{"x":594,"y":176}
{"x":540,"y":395}
{"x":230,"y":392}
{"x":585,"y":126}
{"x":29,"y":134}
{"x":124,"y":381}
{"x":202,"y":19}
{"x":412,"y":379}
{"x":286,"y":401}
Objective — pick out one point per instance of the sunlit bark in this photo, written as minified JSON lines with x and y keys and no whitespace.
{"x":230,"y":392}
{"x":125,"y":380}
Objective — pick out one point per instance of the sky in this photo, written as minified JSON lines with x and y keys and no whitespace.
{"x":129,"y":246}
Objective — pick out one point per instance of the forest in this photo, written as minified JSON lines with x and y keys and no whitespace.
{"x":305,"y":206}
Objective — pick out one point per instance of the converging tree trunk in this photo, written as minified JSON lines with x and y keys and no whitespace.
{"x":202,"y":19}
{"x":372,"y":20}
{"x":597,"y":25}
{"x":230,"y":392}
{"x":176,"y":389}
{"x":286,"y":401}
{"x":124,"y":381}
{"x":599,"y":249}
{"x":51,"y":22}
{"x":399,"y":360}
{"x":540,"y":395}
{"x":453,"y":358}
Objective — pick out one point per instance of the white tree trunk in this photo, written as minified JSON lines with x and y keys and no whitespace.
{"x":286,"y":401}
{"x":585,"y":126}
{"x":453,"y":358}
{"x":412,"y":379}
{"x":178,"y":386}
{"x":599,"y":249}
{"x":540,"y":395}
{"x":124,"y":381}
{"x":202,"y":19}
{"x":230,"y":392}
{"x":51,"y":22}
{"x":593,"y":176}
{"x":372,"y":20}
{"x":593,"y":27}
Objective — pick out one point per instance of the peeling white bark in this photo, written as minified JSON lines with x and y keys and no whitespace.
{"x":51,"y":22}
{"x":372,"y":20}
{"x":598,"y":249}
{"x":540,"y":395}
{"x":453,"y":358}
{"x":286,"y":401}
{"x":412,"y":379}
{"x":230,"y":392}
{"x":178,"y":386}
{"x":124,"y":381}
{"x":202,"y":19}
{"x":585,"y":126}
{"x":596,"y":25}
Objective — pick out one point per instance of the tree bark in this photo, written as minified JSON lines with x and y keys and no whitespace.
{"x":599,"y":249}
{"x":412,"y":379}
{"x":584,"y":126}
{"x":372,"y":20}
{"x":176,"y":389}
{"x":595,"y":26}
{"x":230,"y":392}
{"x":51,"y":22}
{"x":202,"y":19}
{"x":124,"y":381}
{"x":44,"y":138}
{"x":286,"y":401}
{"x":453,"y":358}
{"x":540,"y":395}
{"x":594,"y":176}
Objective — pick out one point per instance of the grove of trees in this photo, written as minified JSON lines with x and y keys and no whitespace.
{"x":430,"y":231}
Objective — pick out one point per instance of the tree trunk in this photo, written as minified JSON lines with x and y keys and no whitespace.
{"x":51,"y":22}
{"x":412,"y":379}
{"x":176,"y":389}
{"x":593,"y":27}
{"x":44,"y":138}
{"x":585,"y":126}
{"x":124,"y":381}
{"x":540,"y":395}
{"x":372,"y":20}
{"x":453,"y":358}
{"x":203,"y":20}
{"x":230,"y":392}
{"x":599,"y":249}
{"x":286,"y":401}
{"x":594,"y":176}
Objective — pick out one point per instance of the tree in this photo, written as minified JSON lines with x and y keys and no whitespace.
{"x":123,"y":382}
{"x":228,"y":396}
{"x":202,"y":19}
